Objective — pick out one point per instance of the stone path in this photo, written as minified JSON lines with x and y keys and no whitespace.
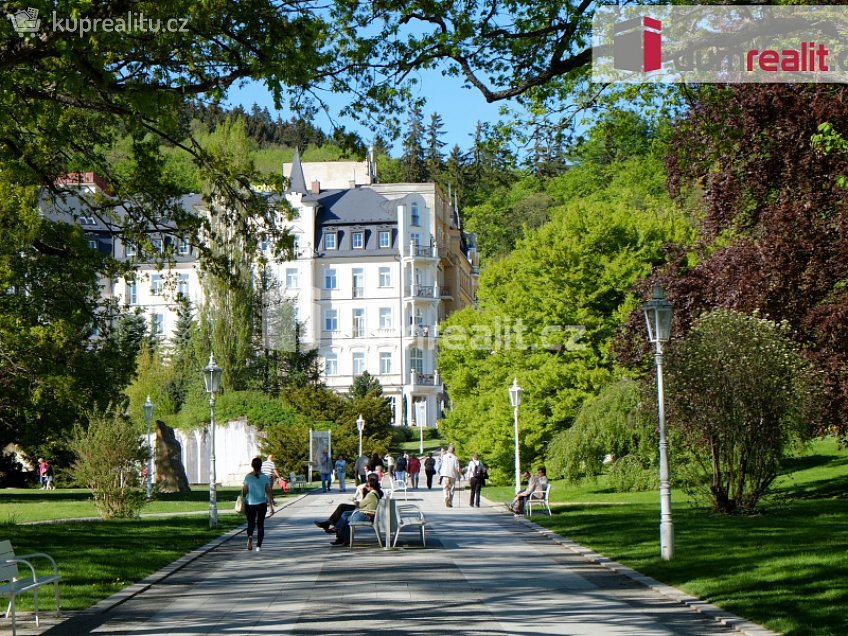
{"x":482,"y":572}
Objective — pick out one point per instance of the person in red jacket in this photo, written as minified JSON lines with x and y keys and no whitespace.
{"x":414,"y":468}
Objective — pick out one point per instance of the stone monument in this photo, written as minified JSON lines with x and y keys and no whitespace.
{"x":170,"y":473}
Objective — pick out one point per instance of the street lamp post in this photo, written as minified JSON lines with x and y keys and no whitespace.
{"x":420,"y":436}
{"x":147,"y":408}
{"x":212,"y":379}
{"x":515,"y":393}
{"x":360,"y":426}
{"x":658,"y":315}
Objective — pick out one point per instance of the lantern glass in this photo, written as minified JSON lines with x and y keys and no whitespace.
{"x":360,"y":423}
{"x":658,"y":315}
{"x":515,"y":393}
{"x":212,"y":375}
{"x":147,"y":408}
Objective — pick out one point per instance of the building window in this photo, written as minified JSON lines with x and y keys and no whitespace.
{"x":358,"y":323}
{"x":330,"y":241}
{"x":358,"y":362}
{"x":358,"y":240}
{"x":415,"y":220}
{"x":87,"y":220}
{"x":416,"y":360}
{"x":385,"y":362}
{"x":330,"y":279}
{"x":331,"y":320}
{"x":182,"y":285}
{"x":415,"y":237}
{"x":129,"y":249}
{"x":156,"y":285}
{"x":291,"y":278}
{"x":358,"y":282}
{"x":385,"y":238}
{"x":183,"y":248}
{"x":132,"y":292}
{"x":385,"y":317}
{"x":296,"y":245}
{"x":157,"y":244}
{"x":385,"y":277}
{"x":92,"y":244}
{"x":157,"y":323}
{"x":331,"y":364}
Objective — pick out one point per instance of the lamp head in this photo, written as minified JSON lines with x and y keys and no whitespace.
{"x":147,"y":409}
{"x":515,"y":393}
{"x":212,"y":375}
{"x":658,"y":315}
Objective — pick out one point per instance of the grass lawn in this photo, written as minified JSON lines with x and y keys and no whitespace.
{"x":786,"y":569}
{"x":31,"y":504}
{"x":429,"y":445}
{"x":98,"y":558}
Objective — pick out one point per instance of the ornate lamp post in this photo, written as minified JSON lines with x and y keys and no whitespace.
{"x":212,"y":379}
{"x":360,"y":426}
{"x":515,"y":393}
{"x":147,"y":408}
{"x":658,"y":315}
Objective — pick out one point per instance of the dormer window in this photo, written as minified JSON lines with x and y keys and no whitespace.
{"x":358,"y":240}
{"x":157,"y":244}
{"x":330,"y":241}
{"x":385,"y":237}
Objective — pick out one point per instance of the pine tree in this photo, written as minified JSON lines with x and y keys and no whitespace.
{"x":414,"y":169}
{"x":434,"y":160}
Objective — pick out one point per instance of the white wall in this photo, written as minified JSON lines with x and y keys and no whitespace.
{"x":236,"y":444}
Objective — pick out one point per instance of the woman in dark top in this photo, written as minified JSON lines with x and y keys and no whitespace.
{"x":429,"y":469}
{"x":376,"y":460}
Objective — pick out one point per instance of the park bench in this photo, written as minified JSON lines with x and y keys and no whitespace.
{"x":12,"y":584}
{"x":398,"y":485}
{"x":374,"y":523}
{"x":540,"y":499}
{"x":409,"y":516}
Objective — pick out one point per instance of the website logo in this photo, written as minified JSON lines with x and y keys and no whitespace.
{"x":720,"y":43}
{"x":638,"y":44}
{"x":25,"y":21}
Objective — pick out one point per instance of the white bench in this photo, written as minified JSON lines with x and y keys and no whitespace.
{"x":12,"y":584}
{"x":409,"y":516}
{"x":374,"y":523}
{"x":539,"y":499}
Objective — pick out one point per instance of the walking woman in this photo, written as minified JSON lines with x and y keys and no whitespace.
{"x":258,"y":499}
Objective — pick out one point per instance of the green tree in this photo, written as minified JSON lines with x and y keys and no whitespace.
{"x":412,"y":156}
{"x":548,"y":311}
{"x":433,"y":153}
{"x":611,"y":423}
{"x":109,"y":453}
{"x":741,"y":396}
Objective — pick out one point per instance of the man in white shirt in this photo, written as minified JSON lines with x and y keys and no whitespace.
{"x":449,"y":471}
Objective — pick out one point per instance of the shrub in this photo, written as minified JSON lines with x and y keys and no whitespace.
{"x":629,"y":474}
{"x":109,"y":454}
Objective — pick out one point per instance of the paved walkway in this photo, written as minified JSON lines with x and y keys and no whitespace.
{"x":482,"y":572}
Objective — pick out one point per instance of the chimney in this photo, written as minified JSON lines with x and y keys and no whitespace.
{"x":316,"y":187}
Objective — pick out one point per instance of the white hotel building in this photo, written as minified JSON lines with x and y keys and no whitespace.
{"x":378,"y":267}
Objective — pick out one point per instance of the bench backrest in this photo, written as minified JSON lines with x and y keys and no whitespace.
{"x":8,"y":571}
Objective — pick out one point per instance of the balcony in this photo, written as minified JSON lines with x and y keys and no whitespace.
{"x":446,"y":292}
{"x":424,"y":379}
{"x":429,"y":292}
{"x":413,"y":250}
{"x":423,"y":331}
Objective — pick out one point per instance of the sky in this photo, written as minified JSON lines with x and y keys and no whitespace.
{"x":459,"y":107}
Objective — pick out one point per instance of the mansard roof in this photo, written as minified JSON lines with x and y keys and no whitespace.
{"x":353,"y":206}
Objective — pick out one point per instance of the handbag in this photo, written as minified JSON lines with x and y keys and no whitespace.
{"x":240,"y":507}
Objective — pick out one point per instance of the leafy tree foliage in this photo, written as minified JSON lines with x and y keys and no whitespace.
{"x":566,"y":288}
{"x":771,"y":232}
{"x":612,"y":423}
{"x":740,"y":395}
{"x":109,"y":453}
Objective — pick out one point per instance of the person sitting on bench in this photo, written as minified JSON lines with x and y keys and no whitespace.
{"x":536,"y":484}
{"x":365,"y":511}
{"x":329,"y":524}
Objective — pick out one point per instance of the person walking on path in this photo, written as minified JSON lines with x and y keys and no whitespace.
{"x":361,"y":468}
{"x":414,"y":471}
{"x":430,"y":469}
{"x":341,"y":469}
{"x":449,"y":474}
{"x":325,"y":467}
{"x":401,"y":466}
{"x":258,"y":500}
{"x":475,"y":474}
{"x":269,"y":468}
{"x":389,"y":462}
